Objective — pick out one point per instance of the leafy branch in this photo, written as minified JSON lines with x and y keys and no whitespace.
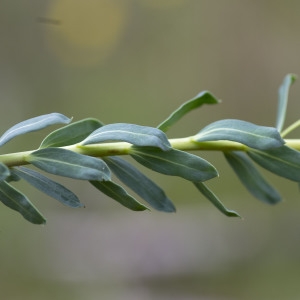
{"x":89,"y":150}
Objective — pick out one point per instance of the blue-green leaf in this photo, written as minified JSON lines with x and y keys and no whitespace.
{"x":4,"y":171}
{"x":251,"y":178}
{"x":48,"y":186}
{"x":215,"y":200}
{"x":33,"y":124}
{"x":15,"y":200}
{"x":202,"y":98}
{"x":140,"y":184}
{"x":69,"y":164}
{"x":12,"y":177}
{"x":71,"y":134}
{"x":133,"y":134}
{"x":282,"y":161}
{"x":283,"y":95}
{"x":254,"y":136}
{"x":118,"y":193}
{"x":175,"y":163}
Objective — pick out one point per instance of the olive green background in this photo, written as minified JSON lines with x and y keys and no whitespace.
{"x":135,"y":61}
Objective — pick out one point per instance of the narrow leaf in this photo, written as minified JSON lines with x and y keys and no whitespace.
{"x":12,"y":177}
{"x":69,"y":164}
{"x":4,"y":171}
{"x":71,"y":134}
{"x":254,"y":136}
{"x":251,"y":178}
{"x":133,"y":134}
{"x":215,"y":200}
{"x":48,"y":186}
{"x":116,"y":192}
{"x":15,"y":200}
{"x":140,"y":184}
{"x":282,"y":161}
{"x":283,"y":95}
{"x":33,"y":124}
{"x":175,"y":163}
{"x":202,"y":98}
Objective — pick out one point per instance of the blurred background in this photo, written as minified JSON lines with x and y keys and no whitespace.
{"x":136,"y":61}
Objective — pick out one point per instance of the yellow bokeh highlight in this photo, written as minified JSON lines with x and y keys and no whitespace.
{"x":89,"y":30}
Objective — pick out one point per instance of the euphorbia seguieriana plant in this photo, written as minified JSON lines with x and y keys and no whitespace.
{"x":89,"y":150}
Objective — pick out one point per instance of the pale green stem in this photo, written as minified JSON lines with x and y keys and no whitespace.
{"x":290,"y":128}
{"x":122,"y":148}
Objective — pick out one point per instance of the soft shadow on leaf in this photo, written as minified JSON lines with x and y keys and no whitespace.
{"x":282,"y":161}
{"x":251,"y":178}
{"x":118,"y":193}
{"x":202,"y":98}
{"x":175,"y":163}
{"x":69,"y":164}
{"x":33,"y":124}
{"x":48,"y":186}
{"x":140,"y":184}
{"x":254,"y":136}
{"x":15,"y":200}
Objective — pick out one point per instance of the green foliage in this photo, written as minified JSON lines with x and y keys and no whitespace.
{"x":140,"y":184}
{"x":254,"y":136}
{"x":130,"y":133}
{"x":251,"y":178}
{"x":88,"y":150}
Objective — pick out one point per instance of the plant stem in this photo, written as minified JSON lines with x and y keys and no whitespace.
{"x":290,"y":128}
{"x":123,"y":148}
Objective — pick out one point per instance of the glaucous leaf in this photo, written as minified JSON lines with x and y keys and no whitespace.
{"x":118,"y":193}
{"x":15,"y":200}
{"x":12,"y":177}
{"x":202,"y":98}
{"x":48,"y":186}
{"x":131,"y":133}
{"x":283,"y":95}
{"x":66,"y":163}
{"x":251,"y":178}
{"x":4,"y":171}
{"x":215,"y":200}
{"x":33,"y":124}
{"x":140,"y":184}
{"x":282,"y":161}
{"x":254,"y":136}
{"x":175,"y":163}
{"x":71,"y":134}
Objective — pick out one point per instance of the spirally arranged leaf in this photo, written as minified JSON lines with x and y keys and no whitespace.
{"x":202,"y":98}
{"x":282,"y":161}
{"x":251,"y":178}
{"x":118,"y":193}
{"x":33,"y":124}
{"x":66,"y":163}
{"x":131,"y":133}
{"x":283,"y":94}
{"x":175,"y":163}
{"x":140,"y":184}
{"x":4,"y":172}
{"x":203,"y":188}
{"x":15,"y":200}
{"x":48,"y":186}
{"x":254,"y":136}
{"x":71,"y":134}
